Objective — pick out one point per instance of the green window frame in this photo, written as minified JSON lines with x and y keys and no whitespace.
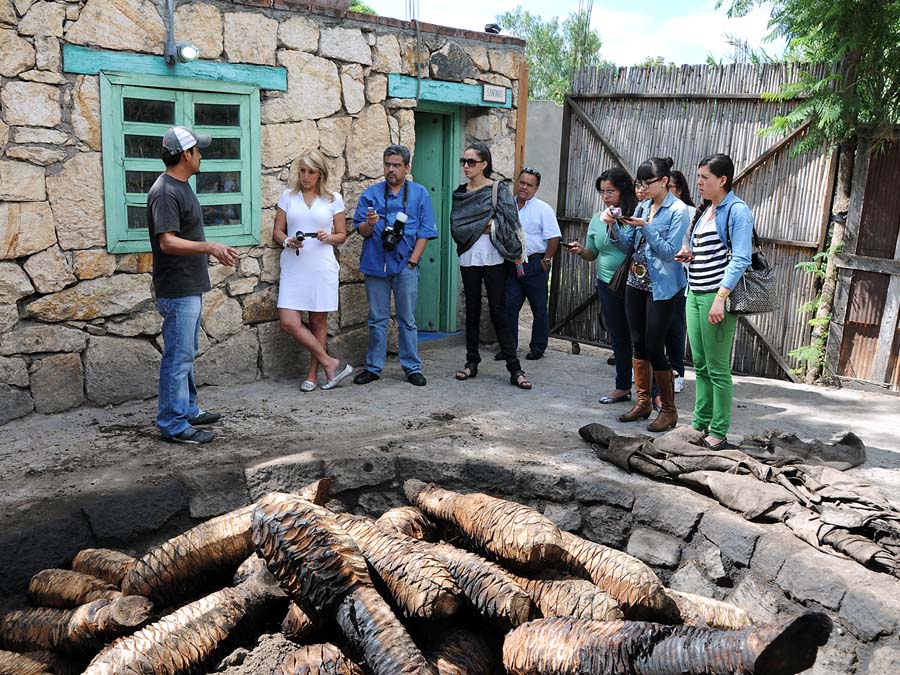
{"x":137,"y":110}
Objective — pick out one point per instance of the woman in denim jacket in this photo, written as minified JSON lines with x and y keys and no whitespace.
{"x":654,"y":282}
{"x":719,"y":250}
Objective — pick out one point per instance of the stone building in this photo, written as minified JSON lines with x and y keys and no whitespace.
{"x":86,"y":95}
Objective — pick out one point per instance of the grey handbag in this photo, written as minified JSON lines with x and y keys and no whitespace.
{"x":756,"y":292}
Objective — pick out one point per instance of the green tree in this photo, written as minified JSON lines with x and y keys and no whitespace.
{"x":363,"y":8}
{"x":553,"y":49}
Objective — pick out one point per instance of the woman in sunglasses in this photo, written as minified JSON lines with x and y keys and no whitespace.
{"x":654,"y":282}
{"x":488,"y":237}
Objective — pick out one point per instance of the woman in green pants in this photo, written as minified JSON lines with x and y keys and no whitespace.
{"x":718,"y":252}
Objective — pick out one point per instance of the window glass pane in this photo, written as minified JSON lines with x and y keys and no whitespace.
{"x":223,"y":148}
{"x":140,"y":181}
{"x":154,"y":112}
{"x":143,"y":146}
{"x":221,"y":214}
{"x":217,"y":115}
{"x":137,"y":217}
{"x":219,"y":181}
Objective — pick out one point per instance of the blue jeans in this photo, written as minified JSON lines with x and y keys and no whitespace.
{"x":613,"y":308}
{"x":534,"y":287}
{"x":180,"y":333}
{"x":405,"y":287}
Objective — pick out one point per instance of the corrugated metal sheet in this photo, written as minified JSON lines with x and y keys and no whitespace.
{"x":880,"y":221}
{"x":868,"y":291}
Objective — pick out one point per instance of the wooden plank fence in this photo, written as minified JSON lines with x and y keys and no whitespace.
{"x":619,"y":117}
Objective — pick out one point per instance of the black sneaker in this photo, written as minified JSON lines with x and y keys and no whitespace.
{"x":534,"y":356}
{"x":499,"y":356}
{"x":365,"y":377}
{"x":417,"y":379}
{"x":191,"y":436}
{"x":205,"y":418}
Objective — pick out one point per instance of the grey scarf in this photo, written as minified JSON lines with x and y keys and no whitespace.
{"x":471,"y":214}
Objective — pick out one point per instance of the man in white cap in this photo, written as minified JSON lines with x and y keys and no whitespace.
{"x":180,"y":259}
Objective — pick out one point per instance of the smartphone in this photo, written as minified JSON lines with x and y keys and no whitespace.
{"x":564,"y":244}
{"x":371,"y":209}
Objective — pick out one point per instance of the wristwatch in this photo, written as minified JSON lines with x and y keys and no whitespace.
{"x":547,"y":261}
{"x":722,"y":294}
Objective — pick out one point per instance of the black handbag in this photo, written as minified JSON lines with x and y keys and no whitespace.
{"x":756,"y":292}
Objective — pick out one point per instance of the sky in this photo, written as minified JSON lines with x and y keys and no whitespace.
{"x":681,"y":31}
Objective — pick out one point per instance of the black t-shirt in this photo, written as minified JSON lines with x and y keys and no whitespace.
{"x":172,"y":206}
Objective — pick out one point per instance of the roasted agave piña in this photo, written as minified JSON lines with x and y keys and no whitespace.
{"x":407,"y":520}
{"x":67,"y":588}
{"x":104,"y":563}
{"x":13,"y":663}
{"x":460,"y":652}
{"x":577,"y":598}
{"x":695,"y":610}
{"x":323,"y":659}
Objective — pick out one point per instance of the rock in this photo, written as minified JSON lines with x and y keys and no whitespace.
{"x":36,"y":155}
{"x":242,"y":286}
{"x":261,"y":306}
{"x":20,"y":182}
{"x":49,"y":270}
{"x":758,"y":599}
{"x":369,"y":136}
{"x":248,"y":267}
{"x":4,"y":134}
{"x":108,"y":296}
{"x":506,"y":62}
{"x":14,"y":283}
{"x":120,"y":369}
{"x":38,"y":135}
{"x":406,"y":120}
{"x":479,"y":56}
{"x":366,"y":467}
{"x":43,"y":76}
{"x":7,"y":13}
{"x":299,"y":33}
{"x":353,"y":306}
{"x":271,"y":189}
{"x":47,"y":54}
{"x":483,"y":126}
{"x":884,"y":660}
{"x":734,"y":536}
{"x":44,"y":19}
{"x":200,"y":23}
{"x":145,"y":323}
{"x":33,"y":338}
{"x":57,"y":383}
{"x":493,"y":78}
{"x":230,"y":362}
{"x":283,"y":143}
{"x":93,"y":263}
{"x":9,"y":316}
{"x":14,"y":371}
{"x":86,"y":110}
{"x":599,"y":488}
{"x":689,"y":578}
{"x":349,"y":258}
{"x":376,"y":88}
{"x":16,"y":55}
{"x":452,"y":63}
{"x":289,"y":473}
{"x":565,"y":516}
{"x":872,"y":609}
{"x":772,"y":549}
{"x":353,"y":88}
{"x":135,"y":263}
{"x":76,"y":197}
{"x":122,"y":25}
{"x":250,"y":38}
{"x":14,"y":403}
{"x":608,"y":525}
{"x":503,"y":153}
{"x":654,"y":548}
{"x":333,"y":134}
{"x":270,"y":261}
{"x":281,"y":356}
{"x":676,"y":511}
{"x":351,"y":345}
{"x":218,"y":274}
{"x":314,"y":90}
{"x":387,"y":54}
{"x":811,"y":575}
{"x":395,"y":129}
{"x":119,"y":517}
{"x":221,"y":315}
{"x":345,"y":44}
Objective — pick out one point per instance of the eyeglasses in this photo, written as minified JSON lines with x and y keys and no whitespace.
{"x":644,"y":184}
{"x":469,"y":161}
{"x":608,"y":193}
{"x":533,"y":172}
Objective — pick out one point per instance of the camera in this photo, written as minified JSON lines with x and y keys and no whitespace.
{"x":391,"y":235}
{"x":615,"y":212}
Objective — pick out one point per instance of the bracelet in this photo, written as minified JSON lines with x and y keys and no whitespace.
{"x":722,"y":294}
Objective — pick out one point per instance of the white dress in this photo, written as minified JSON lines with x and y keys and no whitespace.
{"x":309,"y":281}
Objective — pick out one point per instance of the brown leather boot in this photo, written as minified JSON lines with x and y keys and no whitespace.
{"x":642,"y":408}
{"x":668,"y":414}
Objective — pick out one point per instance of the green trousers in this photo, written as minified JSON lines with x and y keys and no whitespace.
{"x":711,"y":352}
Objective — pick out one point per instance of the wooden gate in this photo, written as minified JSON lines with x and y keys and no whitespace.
{"x":619,"y":117}
{"x":864,"y":335}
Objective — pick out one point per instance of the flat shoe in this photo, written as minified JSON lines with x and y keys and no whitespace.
{"x":606,"y":400}
{"x":205,"y":418}
{"x":191,"y":436}
{"x":417,"y":379}
{"x":336,"y":380}
{"x":721,"y":445}
{"x":308,"y":386}
{"x":364,"y":377}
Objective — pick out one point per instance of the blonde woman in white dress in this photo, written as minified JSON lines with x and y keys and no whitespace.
{"x":309,"y":222}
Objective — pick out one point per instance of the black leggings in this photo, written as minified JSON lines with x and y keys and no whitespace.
{"x":649,"y":320}
{"x":494,"y":278}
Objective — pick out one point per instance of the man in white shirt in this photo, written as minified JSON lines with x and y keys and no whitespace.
{"x":542,"y":236}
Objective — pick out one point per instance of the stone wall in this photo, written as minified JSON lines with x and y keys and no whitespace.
{"x":78,"y":324}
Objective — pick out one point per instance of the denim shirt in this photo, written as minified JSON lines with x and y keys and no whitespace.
{"x":664,"y":237}
{"x":740,"y":222}
{"x":374,"y":260}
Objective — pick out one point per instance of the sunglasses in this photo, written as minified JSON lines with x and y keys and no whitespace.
{"x":533,"y":172}
{"x":469,"y":161}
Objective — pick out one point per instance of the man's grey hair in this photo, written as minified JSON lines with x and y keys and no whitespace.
{"x":395,"y":149}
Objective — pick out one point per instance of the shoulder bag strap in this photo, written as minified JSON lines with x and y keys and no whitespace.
{"x":494,"y":190}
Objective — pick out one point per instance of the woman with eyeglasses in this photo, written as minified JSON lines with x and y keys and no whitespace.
{"x":487,"y":237}
{"x":655,"y":234}
{"x":617,"y":191}
{"x":718,"y":253}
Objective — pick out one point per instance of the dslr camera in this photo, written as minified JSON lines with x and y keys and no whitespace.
{"x":392,"y":234}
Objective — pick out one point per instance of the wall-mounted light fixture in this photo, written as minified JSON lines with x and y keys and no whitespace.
{"x":177,"y":52}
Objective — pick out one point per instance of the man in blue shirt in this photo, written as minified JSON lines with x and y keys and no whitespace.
{"x":392,"y":263}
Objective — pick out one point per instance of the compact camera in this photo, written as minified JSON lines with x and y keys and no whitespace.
{"x":615,"y":212}
{"x":392,"y":234}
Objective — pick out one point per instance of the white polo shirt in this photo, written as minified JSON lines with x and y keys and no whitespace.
{"x":539,"y":223}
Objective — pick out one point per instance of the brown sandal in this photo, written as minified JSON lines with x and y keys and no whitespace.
{"x":469,"y":371}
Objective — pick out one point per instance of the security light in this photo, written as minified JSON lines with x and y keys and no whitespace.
{"x":177,"y":52}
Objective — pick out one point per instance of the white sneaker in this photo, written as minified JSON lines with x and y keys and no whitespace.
{"x":679,"y":384}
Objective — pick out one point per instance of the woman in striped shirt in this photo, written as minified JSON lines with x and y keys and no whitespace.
{"x":718,"y":252}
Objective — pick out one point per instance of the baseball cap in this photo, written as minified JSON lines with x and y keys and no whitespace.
{"x":179,"y":139}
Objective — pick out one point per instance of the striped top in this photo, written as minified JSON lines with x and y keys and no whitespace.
{"x":710,"y":255}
